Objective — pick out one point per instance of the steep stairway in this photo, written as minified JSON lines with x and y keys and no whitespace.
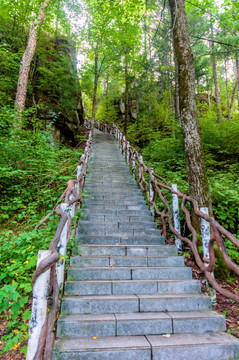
{"x":129,"y":295}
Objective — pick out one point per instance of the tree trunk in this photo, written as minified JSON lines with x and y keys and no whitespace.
{"x":107,"y":95}
{"x":95,"y":89}
{"x":27,"y":59}
{"x":237,"y":70}
{"x":126,"y":98}
{"x":177,"y":107}
{"x":228,"y":100}
{"x":214,"y":70}
{"x":197,"y":177}
{"x":233,"y":94}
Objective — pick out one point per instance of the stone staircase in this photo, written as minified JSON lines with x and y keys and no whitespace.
{"x":129,"y":295}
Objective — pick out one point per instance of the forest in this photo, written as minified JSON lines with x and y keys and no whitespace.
{"x":119,"y":62}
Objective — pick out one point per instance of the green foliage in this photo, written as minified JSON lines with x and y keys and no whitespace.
{"x":9,"y":67}
{"x":107,"y":111}
{"x":33,"y":176}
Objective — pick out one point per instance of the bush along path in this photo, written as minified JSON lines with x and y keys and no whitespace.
{"x":128,"y":295}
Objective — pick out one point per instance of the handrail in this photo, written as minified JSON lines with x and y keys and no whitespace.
{"x":51,"y":267}
{"x":158,"y":185}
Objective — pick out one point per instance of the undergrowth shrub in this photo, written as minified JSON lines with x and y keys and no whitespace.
{"x":33,"y":175}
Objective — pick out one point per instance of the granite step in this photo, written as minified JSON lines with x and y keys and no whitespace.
{"x":118,"y":232}
{"x":116,"y":218}
{"x":116,"y":206}
{"x":131,"y":287}
{"x":126,"y":250}
{"x":136,"y":200}
{"x":129,"y":273}
{"x":209,"y":346}
{"x":101,"y":304}
{"x":116,"y":212}
{"x":128,"y":296}
{"x":120,"y":238}
{"x":129,"y":261}
{"x":148,"y":323}
{"x":88,"y":224}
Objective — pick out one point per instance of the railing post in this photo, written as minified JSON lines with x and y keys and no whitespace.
{"x":127,"y":147}
{"x":39,"y":307}
{"x":121,"y":141}
{"x":99,"y":124}
{"x":176,"y":218}
{"x":123,"y":144}
{"x":133,"y":160}
{"x":151,"y":190}
{"x":140,"y":160}
{"x":205,"y":229}
{"x":61,"y":248}
{"x":72,"y":208}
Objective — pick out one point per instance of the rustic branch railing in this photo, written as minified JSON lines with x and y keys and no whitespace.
{"x":49,"y":276}
{"x":154,"y":188}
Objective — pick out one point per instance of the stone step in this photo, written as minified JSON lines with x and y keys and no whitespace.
{"x":131,"y":287}
{"x":94,"y":184}
{"x":152,"y":323}
{"x":114,"y":201}
{"x":87,"y":224}
{"x":129,"y":261}
{"x":116,"y":207}
{"x":115,"y":218}
{"x":118,"y":239}
{"x":134,"y":303}
{"x":113,"y":197}
{"x":116,"y":212}
{"x":124,"y":233}
{"x":129,"y":273}
{"x":113,"y":191}
{"x":126,"y":250}
{"x":209,"y":346}
{"x":108,"y":188}
{"x":128,"y":296}
{"x":123,"y":180}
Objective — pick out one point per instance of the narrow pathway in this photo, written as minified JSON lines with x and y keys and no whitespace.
{"x":129,"y":296}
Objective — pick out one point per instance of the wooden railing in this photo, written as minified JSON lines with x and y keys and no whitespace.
{"x":49,"y":276}
{"x":157,"y":191}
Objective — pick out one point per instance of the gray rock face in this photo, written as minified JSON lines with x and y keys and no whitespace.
{"x":128,"y":295}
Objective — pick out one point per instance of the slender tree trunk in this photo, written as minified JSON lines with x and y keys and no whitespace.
{"x":228,"y":100}
{"x":27,"y":59}
{"x":95,"y":89}
{"x":107,"y":95}
{"x":233,"y":94}
{"x":214,"y":70}
{"x":237,"y":70}
{"x":170,"y":88}
{"x":177,"y":107}
{"x":208,"y":93}
{"x":197,"y":177}
{"x":126,"y":97}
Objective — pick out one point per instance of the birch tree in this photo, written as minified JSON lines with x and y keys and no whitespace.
{"x":27,"y":59}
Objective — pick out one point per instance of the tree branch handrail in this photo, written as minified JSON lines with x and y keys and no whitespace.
{"x":138,"y":167}
{"x":72,"y":197}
